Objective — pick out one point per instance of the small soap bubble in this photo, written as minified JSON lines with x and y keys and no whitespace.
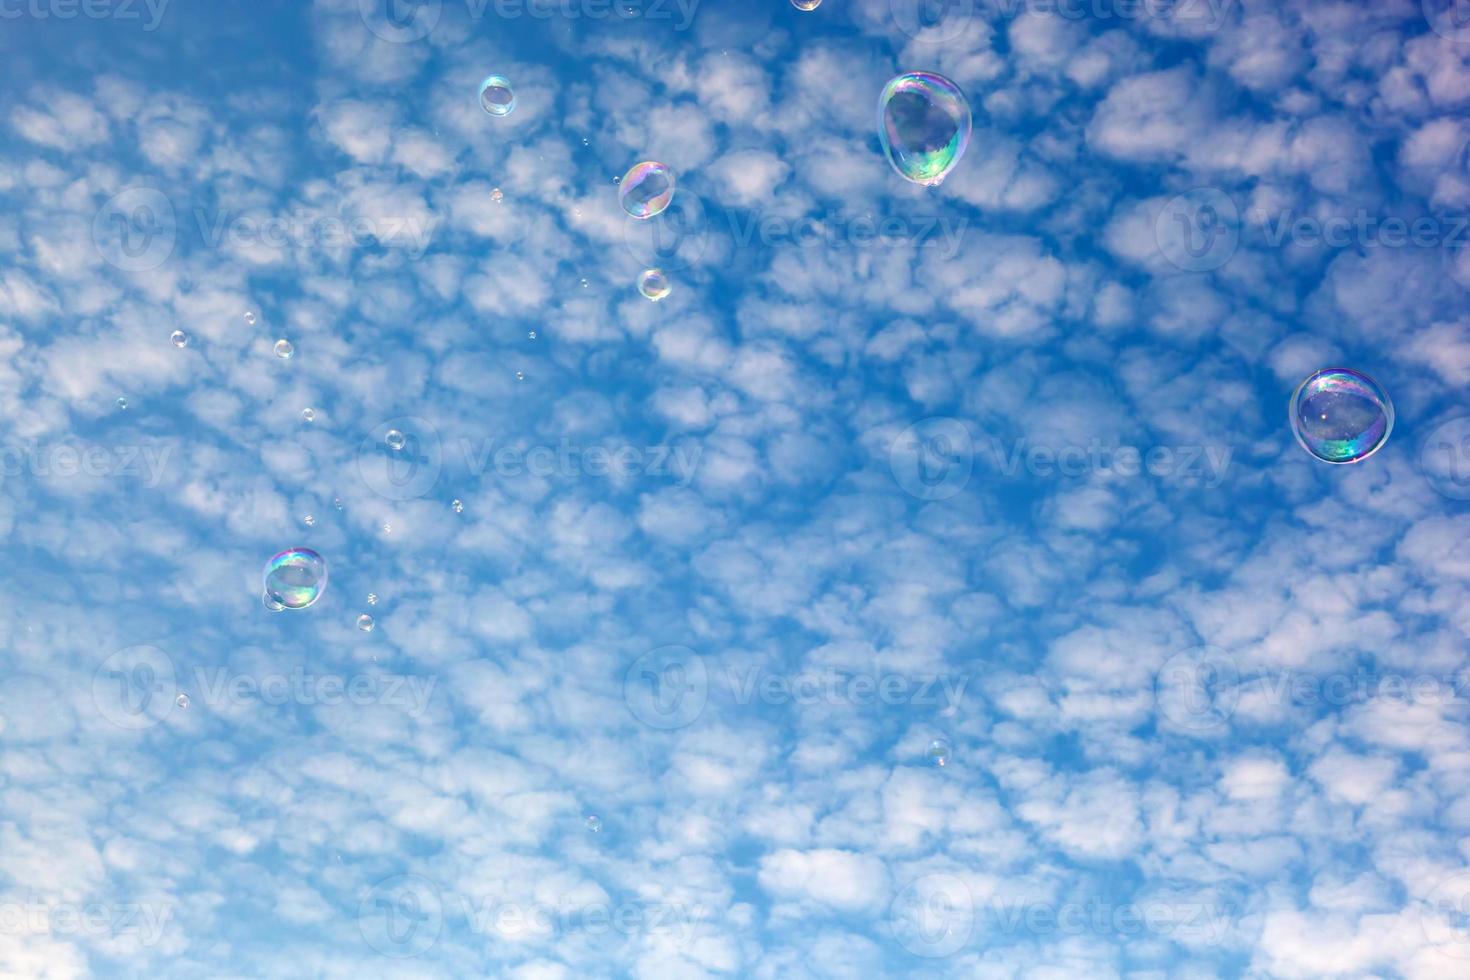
{"x":284,"y":349}
{"x":497,"y":195}
{"x":122,"y":403}
{"x":182,"y":700}
{"x":594,"y":823}
{"x":372,"y":598}
{"x":308,"y":415}
{"x":924,"y":126}
{"x":458,"y":506}
{"x":654,"y":285}
{"x":337,"y":502}
{"x":310,"y":520}
{"x":532,"y":335}
{"x":365,"y":623}
{"x":295,"y":578}
{"x":520,"y":376}
{"x":939,"y":752}
{"x":387,"y":528}
{"x":250,"y":318}
{"x":395,"y":440}
{"x":179,"y":339}
{"x":496,"y":95}
{"x":646,"y":189}
{"x":1341,"y":416}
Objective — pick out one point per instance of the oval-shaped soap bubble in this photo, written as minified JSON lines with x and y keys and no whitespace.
{"x":654,"y":285}
{"x":295,"y":578}
{"x":496,"y":95}
{"x":806,"y":4}
{"x":284,"y":349}
{"x":938,"y":752}
{"x":1341,"y":416}
{"x":646,"y":189}
{"x":924,"y":126}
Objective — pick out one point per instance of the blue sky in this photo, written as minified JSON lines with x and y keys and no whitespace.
{"x":1002,"y":464}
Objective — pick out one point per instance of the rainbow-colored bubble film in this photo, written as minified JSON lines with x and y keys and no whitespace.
{"x":1341,"y":416}
{"x":924,"y":125}
{"x":653,"y":284}
{"x":646,"y":189}
{"x":295,"y":578}
{"x":496,"y":96}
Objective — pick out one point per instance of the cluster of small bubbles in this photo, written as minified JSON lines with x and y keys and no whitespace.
{"x":309,"y":520}
{"x":365,"y":623}
{"x":308,"y":415}
{"x":284,"y":349}
{"x":250,"y":318}
{"x":497,"y":195}
{"x":653,"y":284}
{"x":122,"y":403}
{"x":924,"y":126}
{"x":179,"y":339}
{"x":294,"y":578}
{"x":939,"y":752}
{"x":372,"y":598}
{"x":395,"y":440}
{"x":1341,"y":416}
{"x":594,"y":823}
{"x":646,"y":189}
{"x":496,"y":95}
{"x":182,"y":700}
{"x":458,"y":506}
{"x":806,"y":4}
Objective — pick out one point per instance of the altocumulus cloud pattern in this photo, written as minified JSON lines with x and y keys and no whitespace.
{"x":577,"y":488}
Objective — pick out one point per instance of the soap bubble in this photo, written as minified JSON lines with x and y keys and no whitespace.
{"x":497,"y":195}
{"x":654,"y":285}
{"x":250,"y":318}
{"x":924,"y":126}
{"x":496,"y":96}
{"x":308,"y":415}
{"x":295,"y":578}
{"x":395,"y":440}
{"x":365,"y":623}
{"x":458,"y":506}
{"x":122,"y":403}
{"x":372,"y":598}
{"x":806,"y":4}
{"x":284,"y":349}
{"x":182,"y":700}
{"x":939,"y":752}
{"x":309,"y":520}
{"x":594,"y":823}
{"x":646,"y":189}
{"x":179,"y":339}
{"x":1341,"y":416}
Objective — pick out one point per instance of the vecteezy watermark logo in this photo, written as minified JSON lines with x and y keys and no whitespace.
{"x":571,"y":461}
{"x":1196,"y":691}
{"x":673,"y":239}
{"x":1203,"y":465}
{"x":1363,"y":230}
{"x":401,"y":916}
{"x":90,"y":9}
{"x":400,"y":459}
{"x":136,"y":230}
{"x":1445,"y":458}
{"x":667,"y":688}
{"x":1199,"y":230}
{"x":932,"y":21}
{"x":143,"y":921}
{"x":66,"y":460}
{"x":835,"y":688}
{"x":304,"y":230}
{"x":1450,"y":19}
{"x":1445,"y":916}
{"x":219,"y":688}
{"x":933,"y":916}
{"x":135,"y":688}
{"x":1193,"y":923}
{"x":835,"y":231}
{"x":933,"y":458}
{"x":401,"y":21}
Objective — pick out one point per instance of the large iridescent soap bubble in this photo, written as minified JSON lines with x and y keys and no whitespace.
{"x":646,"y":189}
{"x":924,"y":125}
{"x":294,"y":579}
{"x":1341,"y":416}
{"x":496,"y":95}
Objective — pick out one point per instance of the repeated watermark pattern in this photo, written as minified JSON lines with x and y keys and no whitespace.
{"x":139,"y":687}
{"x":65,"y":460}
{"x":669,"y":687}
{"x":408,"y":21}
{"x":404,"y":916}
